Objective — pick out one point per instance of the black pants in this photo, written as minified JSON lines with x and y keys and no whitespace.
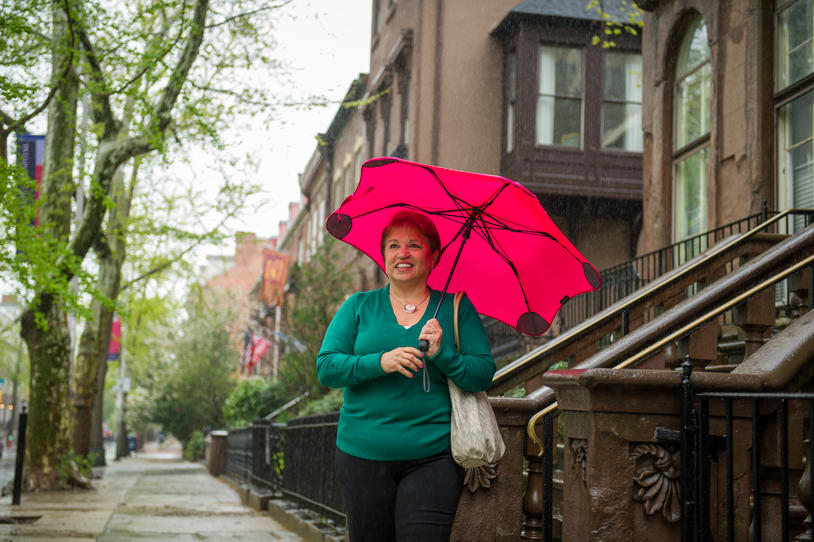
{"x":404,"y":501}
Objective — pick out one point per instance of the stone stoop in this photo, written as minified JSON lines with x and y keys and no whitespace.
{"x":304,"y":523}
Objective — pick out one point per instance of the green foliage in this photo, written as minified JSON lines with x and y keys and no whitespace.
{"x":321,"y":286}
{"x":252,"y":398}
{"x":71,"y":464}
{"x":629,"y":19}
{"x":190,"y":387}
{"x":194,"y":447}
{"x":330,"y":402}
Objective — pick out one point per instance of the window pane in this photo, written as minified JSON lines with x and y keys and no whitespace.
{"x":692,"y":106}
{"x":794,"y":43}
{"x":623,"y":77}
{"x":690,"y":212}
{"x":694,"y":49}
{"x":561,"y":71}
{"x":796,"y":155}
{"x":558,"y":121}
{"x":559,"y":104}
{"x":622,"y":126}
{"x":511,"y":90}
{"x":621,"y":112}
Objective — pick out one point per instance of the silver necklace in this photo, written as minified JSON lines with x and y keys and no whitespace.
{"x":410,"y":308}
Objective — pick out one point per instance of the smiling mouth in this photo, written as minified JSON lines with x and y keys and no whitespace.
{"x":404,"y":266}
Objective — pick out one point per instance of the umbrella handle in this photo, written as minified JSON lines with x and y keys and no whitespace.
{"x":423,"y":345}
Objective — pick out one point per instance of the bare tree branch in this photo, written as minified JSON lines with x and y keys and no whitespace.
{"x":249,"y":14}
{"x":113,"y":152}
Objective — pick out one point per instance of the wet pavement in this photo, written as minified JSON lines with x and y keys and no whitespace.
{"x":153,"y":496}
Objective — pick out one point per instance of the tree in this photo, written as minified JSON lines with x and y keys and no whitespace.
{"x":627,"y":17}
{"x":138,"y":59}
{"x":193,"y":383}
{"x":320,"y":285}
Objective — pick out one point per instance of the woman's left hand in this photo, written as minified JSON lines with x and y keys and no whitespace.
{"x":433,"y":333}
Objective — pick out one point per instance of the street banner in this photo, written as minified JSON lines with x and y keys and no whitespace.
{"x":31,"y":150}
{"x":114,"y":349}
{"x":275,"y":271}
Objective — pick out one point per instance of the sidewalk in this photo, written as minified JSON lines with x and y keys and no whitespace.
{"x":152,"y":496}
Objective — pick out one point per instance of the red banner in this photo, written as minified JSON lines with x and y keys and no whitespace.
{"x":115,"y":347}
{"x":275,"y":271}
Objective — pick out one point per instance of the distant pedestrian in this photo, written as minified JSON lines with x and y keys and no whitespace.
{"x":393,"y":457}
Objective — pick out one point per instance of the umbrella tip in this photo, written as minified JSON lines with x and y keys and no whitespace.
{"x":591,"y":275}
{"x":532,"y":324}
{"x":377,"y":162}
{"x":338,"y":225}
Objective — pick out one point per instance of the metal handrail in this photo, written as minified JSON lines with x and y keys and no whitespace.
{"x":644,"y":292}
{"x":714,"y":313}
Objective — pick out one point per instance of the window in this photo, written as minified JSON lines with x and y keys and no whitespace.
{"x":795,"y":43}
{"x":559,"y":100}
{"x":690,"y":195}
{"x":404,"y":91}
{"x":691,"y":136}
{"x":377,"y":17}
{"x":622,"y":102}
{"x":511,"y":99}
{"x":795,"y":117}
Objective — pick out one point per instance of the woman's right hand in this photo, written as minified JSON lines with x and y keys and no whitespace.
{"x":403,"y":360}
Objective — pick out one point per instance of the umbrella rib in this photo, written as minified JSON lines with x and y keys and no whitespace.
{"x":485,"y":234}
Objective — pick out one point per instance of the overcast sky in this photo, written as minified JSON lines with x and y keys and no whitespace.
{"x":327,"y":43}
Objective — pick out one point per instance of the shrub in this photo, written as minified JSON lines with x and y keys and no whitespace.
{"x":251,"y":399}
{"x":194,"y":447}
{"x":330,"y":402}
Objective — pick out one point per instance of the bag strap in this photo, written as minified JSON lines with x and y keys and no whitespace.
{"x":456,"y":301}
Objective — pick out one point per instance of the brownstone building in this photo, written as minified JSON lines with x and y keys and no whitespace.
{"x":502,"y":88}
{"x":603,"y":450}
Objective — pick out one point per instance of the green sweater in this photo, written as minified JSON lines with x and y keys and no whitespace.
{"x":389,"y":417}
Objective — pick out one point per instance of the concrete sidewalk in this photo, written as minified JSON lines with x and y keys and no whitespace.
{"x":154,"y":496}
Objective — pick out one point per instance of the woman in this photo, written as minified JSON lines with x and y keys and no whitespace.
{"x":398,"y":476}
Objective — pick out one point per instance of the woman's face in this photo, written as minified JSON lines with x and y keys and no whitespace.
{"x":407,"y":255}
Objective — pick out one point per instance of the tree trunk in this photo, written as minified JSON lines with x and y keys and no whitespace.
{"x":47,"y":438}
{"x":93,"y":345}
{"x":97,"y":438}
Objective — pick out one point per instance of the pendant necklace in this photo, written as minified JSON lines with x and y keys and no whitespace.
{"x":410,"y":308}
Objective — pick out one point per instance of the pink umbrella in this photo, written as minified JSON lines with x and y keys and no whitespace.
{"x":497,"y":242}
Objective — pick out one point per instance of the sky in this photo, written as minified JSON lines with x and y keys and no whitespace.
{"x":327,"y":44}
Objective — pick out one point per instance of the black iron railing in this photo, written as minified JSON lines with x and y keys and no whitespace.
{"x":254,"y":456}
{"x":775,"y":486}
{"x":239,"y":454}
{"x":294,"y":460}
{"x":309,"y":477}
{"x":623,"y":279}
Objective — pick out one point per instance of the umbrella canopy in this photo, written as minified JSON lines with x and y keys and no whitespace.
{"x":497,"y":242}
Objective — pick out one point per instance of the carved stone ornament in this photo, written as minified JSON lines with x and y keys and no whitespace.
{"x":579,"y":456}
{"x":657,"y":482}
{"x":480,"y":477}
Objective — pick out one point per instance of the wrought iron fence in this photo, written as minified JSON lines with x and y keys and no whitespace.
{"x":294,"y":460}
{"x":239,"y":454}
{"x":778,"y":495}
{"x":254,"y":456}
{"x":309,"y":475}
